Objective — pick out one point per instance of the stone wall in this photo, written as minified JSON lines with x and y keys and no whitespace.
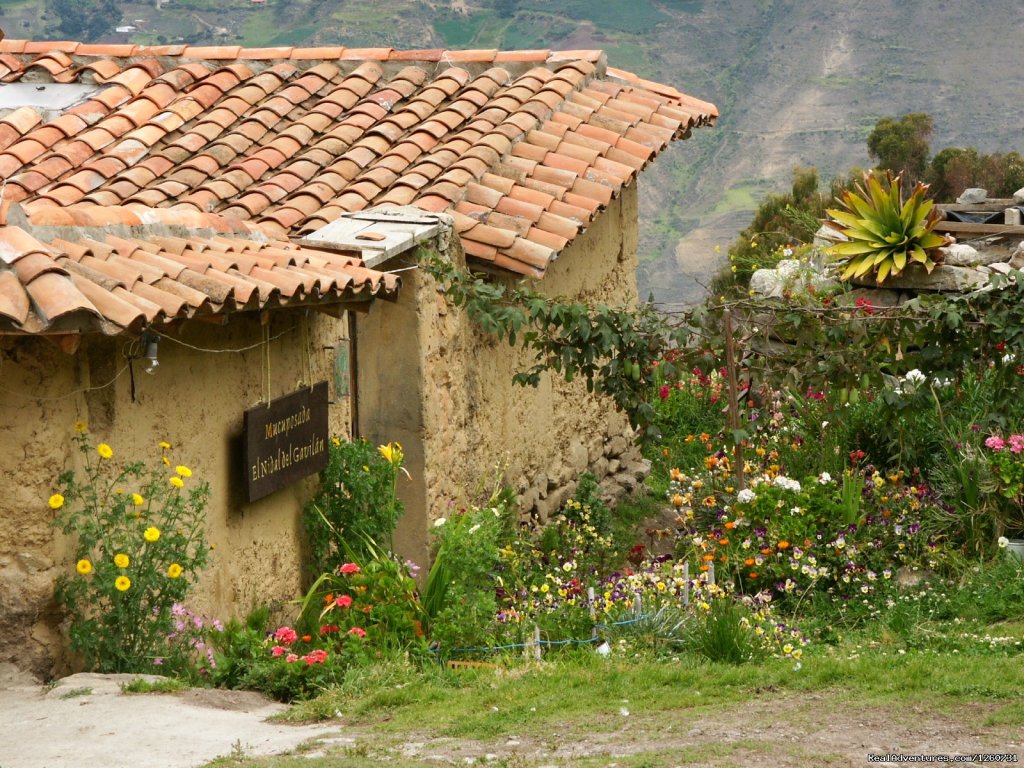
{"x":195,"y":401}
{"x":463,"y":422}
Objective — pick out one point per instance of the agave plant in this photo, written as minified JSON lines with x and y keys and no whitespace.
{"x":885,"y":232}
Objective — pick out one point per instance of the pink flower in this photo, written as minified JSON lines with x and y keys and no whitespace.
{"x":291,"y":658}
{"x":349,"y":568}
{"x":317,"y":656}
{"x":343,"y":601}
{"x":1016,"y":443}
{"x":664,"y":391}
{"x":286,"y":635}
{"x":357,"y":631}
{"x":278,"y":650}
{"x":328,"y":629}
{"x":995,"y":442}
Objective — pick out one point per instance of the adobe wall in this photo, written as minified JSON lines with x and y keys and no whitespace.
{"x":464,"y":420}
{"x":194,"y":401}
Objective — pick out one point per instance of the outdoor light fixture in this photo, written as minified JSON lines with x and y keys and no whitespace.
{"x":149,"y":343}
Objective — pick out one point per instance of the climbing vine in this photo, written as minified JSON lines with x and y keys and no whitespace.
{"x":831,"y":341}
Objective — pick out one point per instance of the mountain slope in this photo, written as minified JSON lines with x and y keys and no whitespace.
{"x":798,"y":82}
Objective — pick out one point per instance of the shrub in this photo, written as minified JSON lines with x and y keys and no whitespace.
{"x":356,"y":504}
{"x":139,"y":546}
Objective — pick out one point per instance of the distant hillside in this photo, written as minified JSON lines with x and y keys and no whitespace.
{"x":798,"y":82}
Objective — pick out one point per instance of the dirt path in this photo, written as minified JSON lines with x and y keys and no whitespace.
{"x":86,"y":720}
{"x":792,"y":730}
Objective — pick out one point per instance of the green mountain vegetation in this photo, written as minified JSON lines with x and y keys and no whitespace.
{"x":798,"y":83}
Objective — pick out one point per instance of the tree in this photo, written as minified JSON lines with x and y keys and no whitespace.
{"x":84,"y":20}
{"x":902,"y":145}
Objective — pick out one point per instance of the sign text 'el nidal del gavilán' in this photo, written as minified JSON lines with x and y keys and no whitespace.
{"x":285,"y":440}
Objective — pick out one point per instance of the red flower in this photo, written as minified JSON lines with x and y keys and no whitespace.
{"x":357,"y":631}
{"x":865,"y":306}
{"x":329,"y":629}
{"x":343,"y":601}
{"x":286,"y":635}
{"x":317,"y":656}
{"x":349,"y":568}
{"x":278,"y":650}
{"x":664,"y":391}
{"x":1001,"y":346}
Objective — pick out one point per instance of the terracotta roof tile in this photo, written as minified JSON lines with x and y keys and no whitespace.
{"x":281,"y":134}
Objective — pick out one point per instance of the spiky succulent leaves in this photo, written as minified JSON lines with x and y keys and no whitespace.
{"x":885,"y":232}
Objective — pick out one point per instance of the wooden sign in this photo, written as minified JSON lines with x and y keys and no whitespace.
{"x":285,"y":440}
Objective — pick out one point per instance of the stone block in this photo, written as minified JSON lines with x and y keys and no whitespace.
{"x":942,"y":278}
{"x":578,"y":456}
{"x":972,"y":196}
{"x":616,"y":446}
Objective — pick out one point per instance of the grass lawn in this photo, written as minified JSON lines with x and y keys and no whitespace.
{"x":867,"y":693}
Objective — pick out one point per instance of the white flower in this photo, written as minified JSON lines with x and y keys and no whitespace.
{"x":1009,"y":357}
{"x":824,"y":478}
{"x":1003,"y":542}
{"x":475,"y":528}
{"x":915,"y":377}
{"x":746,"y":496}
{"x":439,"y":522}
{"x":824,"y":424}
{"x":788,"y":483}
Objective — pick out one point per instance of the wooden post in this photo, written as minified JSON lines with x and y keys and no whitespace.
{"x":686,"y":585}
{"x":711,"y":573}
{"x":593,"y":613}
{"x":734,"y":405}
{"x":536,"y":642}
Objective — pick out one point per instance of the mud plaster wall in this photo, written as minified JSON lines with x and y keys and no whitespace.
{"x":195,"y":401}
{"x":450,"y":398}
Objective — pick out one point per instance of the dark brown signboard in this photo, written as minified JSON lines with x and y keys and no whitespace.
{"x":285,"y":440}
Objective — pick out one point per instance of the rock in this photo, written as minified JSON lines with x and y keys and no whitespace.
{"x":540,"y":482}
{"x":528,"y":500}
{"x":616,"y":446}
{"x":942,"y":278}
{"x":1001,"y":267}
{"x":627,"y":480}
{"x":578,"y":456}
{"x":767,"y":282}
{"x":550,"y":506}
{"x":613,"y":466}
{"x":963,"y":255}
{"x":600,"y":468}
{"x":1017,"y":256}
{"x":1018,"y":196}
{"x":828,"y":235}
{"x":877,"y":297}
{"x":639,"y":469}
{"x":973,"y":195}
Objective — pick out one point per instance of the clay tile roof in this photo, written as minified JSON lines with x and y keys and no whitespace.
{"x":294,"y":137}
{"x":114,"y":269}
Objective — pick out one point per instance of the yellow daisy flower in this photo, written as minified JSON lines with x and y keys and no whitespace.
{"x":173,"y":570}
{"x":56,"y":501}
{"x":83,"y":566}
{"x":182,"y":470}
{"x":80,"y":427}
{"x":151,"y":534}
{"x":122,"y":583}
{"x":104,"y":450}
{"x":121,"y":560}
{"x":175,"y":481}
{"x":137,"y":500}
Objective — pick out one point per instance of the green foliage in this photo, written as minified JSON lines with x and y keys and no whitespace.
{"x":139,"y":542}
{"x":954,"y":169}
{"x":725,"y":635}
{"x":901,"y":146}
{"x":885,"y":232}
{"x":356,"y":503}
{"x":460,"y":597}
{"x":85,"y":20}
{"x":779,"y":222}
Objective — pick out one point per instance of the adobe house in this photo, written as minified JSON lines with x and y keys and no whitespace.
{"x":252,"y":220}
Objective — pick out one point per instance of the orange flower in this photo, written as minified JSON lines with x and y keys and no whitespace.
{"x":753,"y":574}
{"x":711,"y":462}
{"x":709,"y":501}
{"x":749,"y":561}
{"x":783,"y":544}
{"x":723,"y":542}
{"x":329,"y":598}
{"x":766,"y":551}
{"x":709,"y":557}
{"x":730,"y":525}
{"x":704,"y":437}
{"x":704,"y":568}
{"x":307,"y":638}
